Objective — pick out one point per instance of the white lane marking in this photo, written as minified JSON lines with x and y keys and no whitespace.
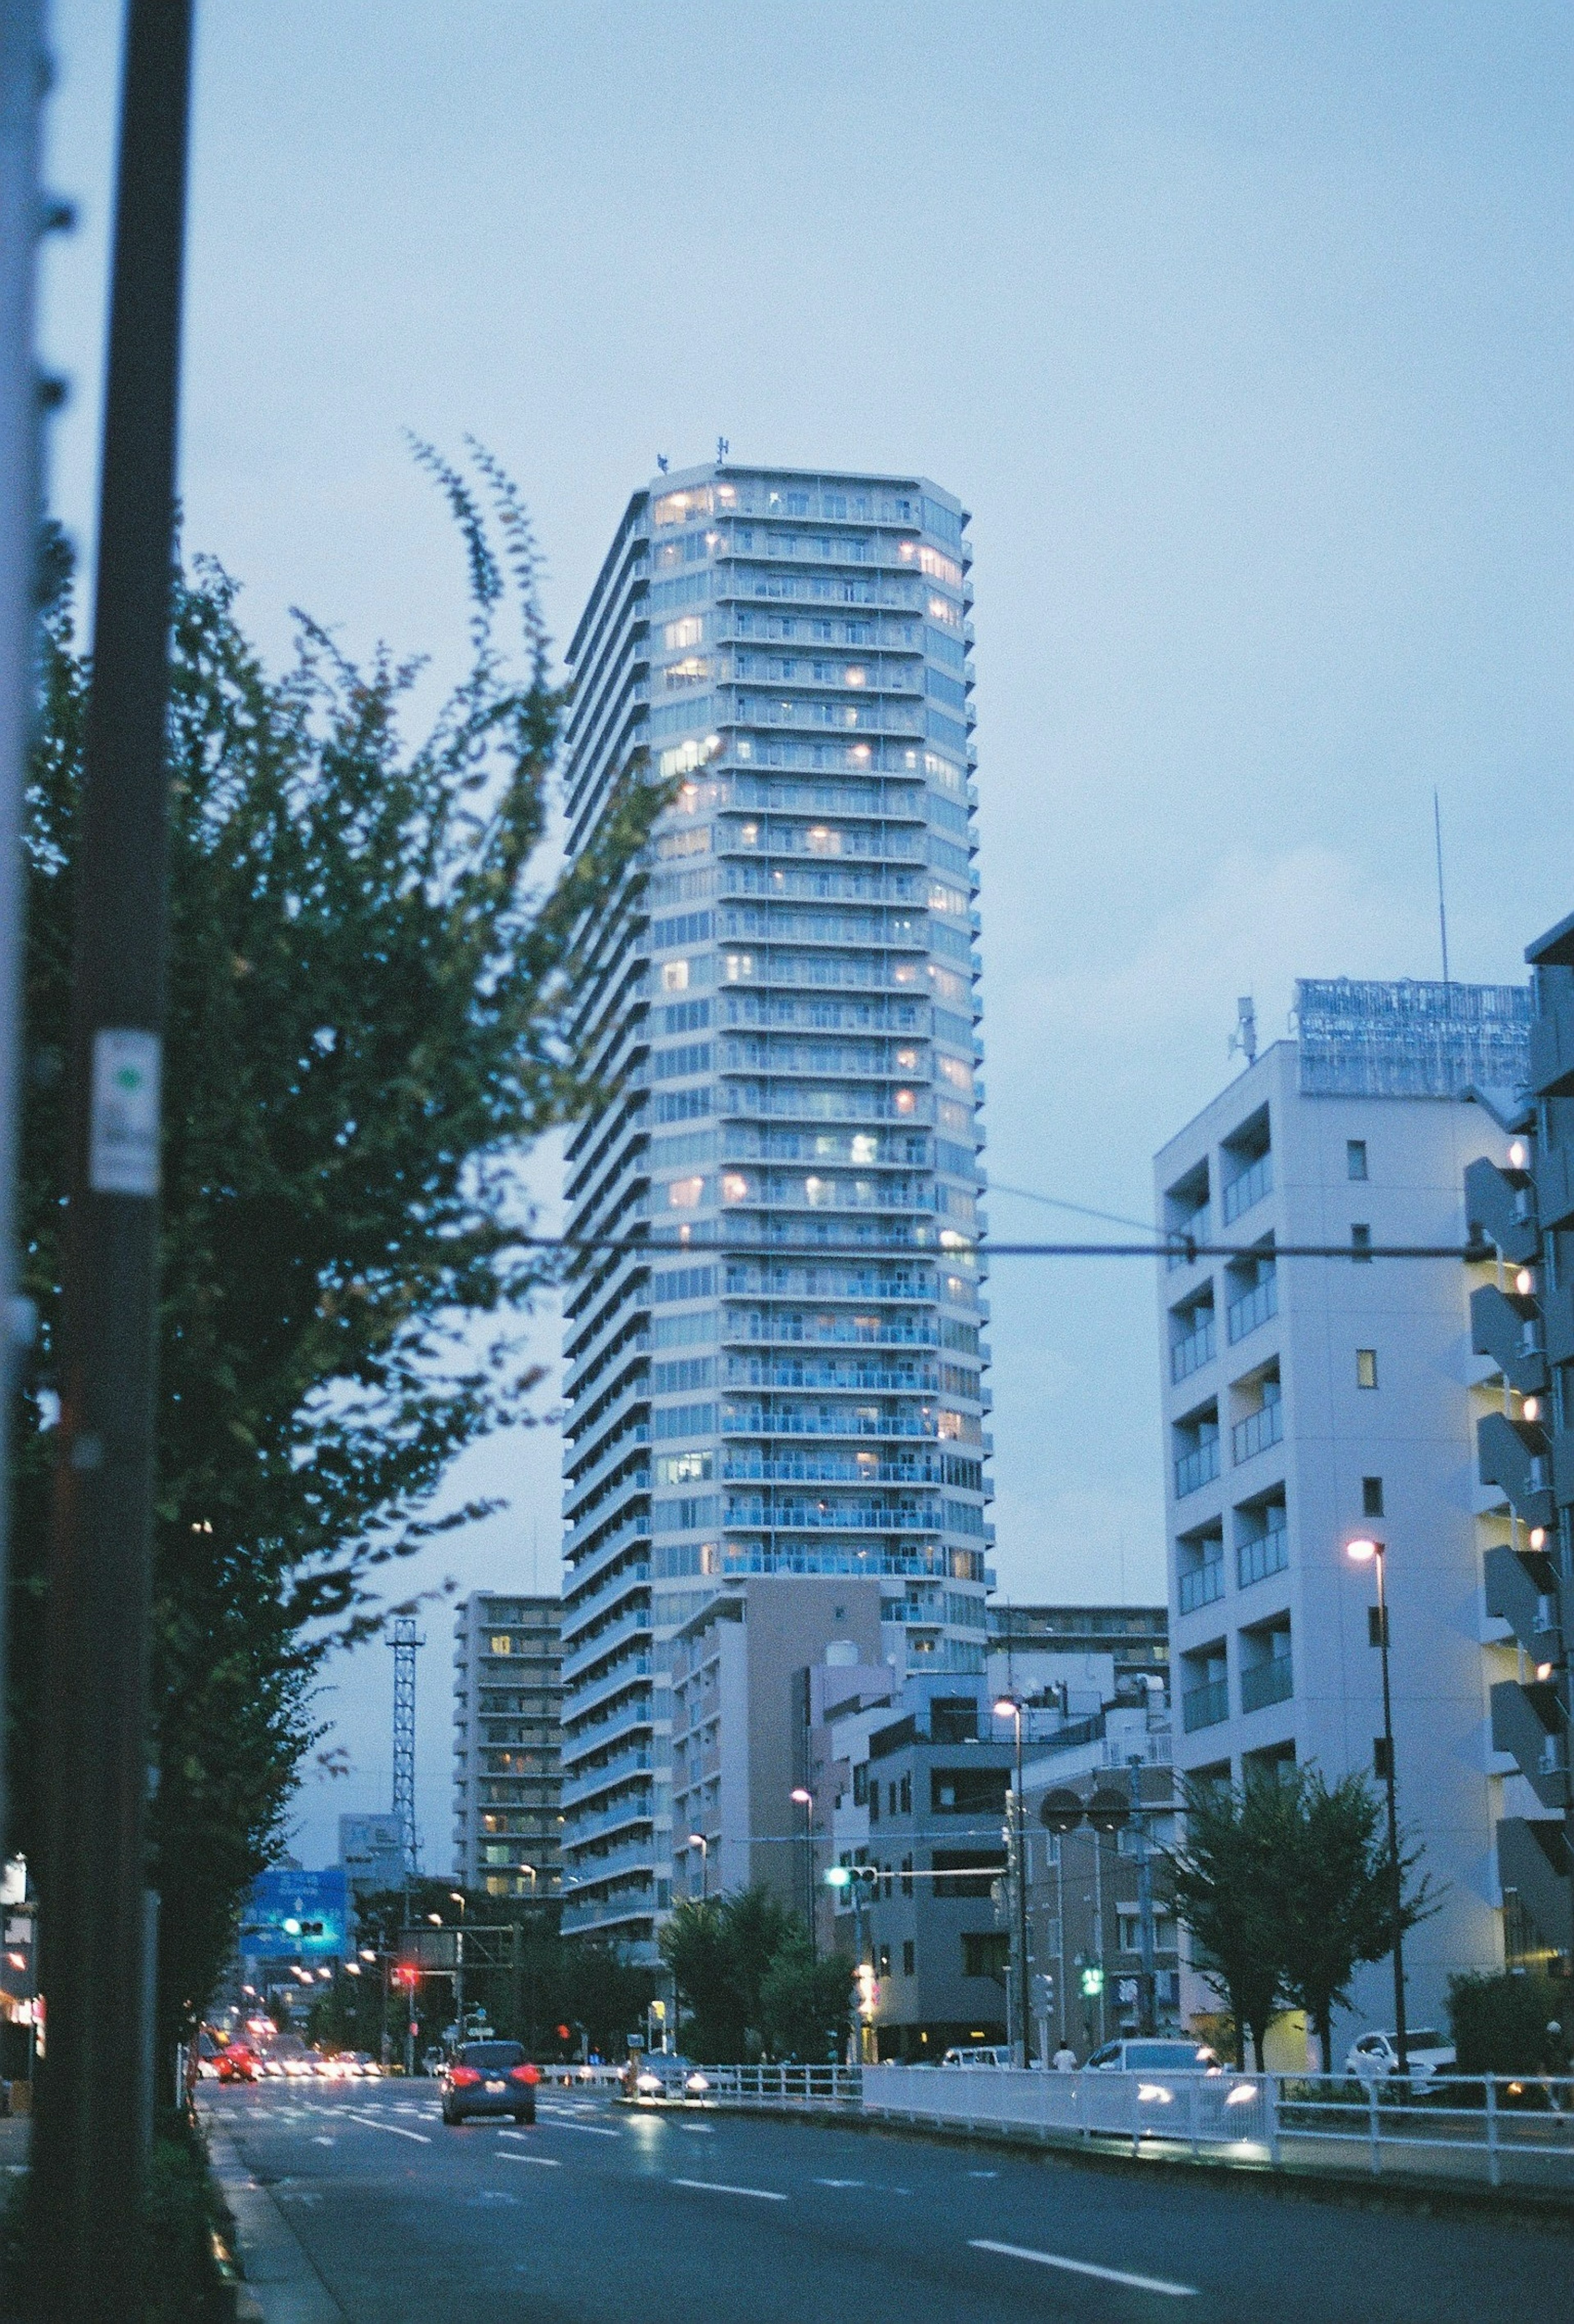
{"x":590,"y":2129}
{"x":697,"y":2129}
{"x":839,"y":2182}
{"x":370,"y":2122}
{"x":719,"y":2187}
{"x":1086,"y":2267}
{"x":319,"y":2140}
{"x":542,"y":2161}
{"x":983,"y":2174}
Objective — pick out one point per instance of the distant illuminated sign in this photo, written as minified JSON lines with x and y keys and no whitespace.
{"x":296,"y":1915}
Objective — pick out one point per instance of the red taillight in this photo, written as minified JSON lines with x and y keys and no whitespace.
{"x":525,"y":2073}
{"x":464,"y":2078}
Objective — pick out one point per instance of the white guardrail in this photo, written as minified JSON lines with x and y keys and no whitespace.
{"x":1489,"y":2129}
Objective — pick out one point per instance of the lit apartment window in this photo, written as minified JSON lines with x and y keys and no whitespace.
{"x":501,"y":1643}
{"x":1355,"y":1156}
{"x":1366,"y":1367}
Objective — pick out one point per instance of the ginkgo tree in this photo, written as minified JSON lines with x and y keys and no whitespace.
{"x":373,"y":988}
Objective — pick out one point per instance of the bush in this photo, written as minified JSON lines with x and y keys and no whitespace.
{"x":1510,"y":2024}
{"x":183,"y":2282}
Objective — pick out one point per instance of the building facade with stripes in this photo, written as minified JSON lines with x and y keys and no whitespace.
{"x":774,"y":1330}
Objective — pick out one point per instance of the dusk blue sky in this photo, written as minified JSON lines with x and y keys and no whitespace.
{"x":1244,"y":332}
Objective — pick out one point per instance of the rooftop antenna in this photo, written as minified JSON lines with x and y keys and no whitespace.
{"x":662,"y":462}
{"x":1442,"y":915}
{"x":722,"y":449}
{"x":1244,"y":1040}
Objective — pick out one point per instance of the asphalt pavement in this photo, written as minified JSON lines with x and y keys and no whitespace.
{"x":601,"y":2215}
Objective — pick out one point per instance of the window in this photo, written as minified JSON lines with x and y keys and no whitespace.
{"x":1366,"y":1367}
{"x":1361,"y":1244}
{"x":985,"y":1953}
{"x":1371,"y":1497}
{"x":1355,"y":1156}
{"x":882,"y":1960}
{"x":909,"y":1957}
{"x":501,"y":1644}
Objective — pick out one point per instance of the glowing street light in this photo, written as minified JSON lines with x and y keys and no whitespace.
{"x":1365,"y":1551}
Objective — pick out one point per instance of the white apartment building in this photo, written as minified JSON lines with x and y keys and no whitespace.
{"x":1306,"y":1401}
{"x":775,"y":1338}
{"x":507,"y":1828}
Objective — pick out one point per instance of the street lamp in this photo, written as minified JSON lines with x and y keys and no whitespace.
{"x":698,"y":1840}
{"x":532,"y":1870}
{"x":1367,"y":1551}
{"x":803,"y":1797}
{"x":1008,"y":1707}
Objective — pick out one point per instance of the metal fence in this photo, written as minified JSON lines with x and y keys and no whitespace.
{"x":763,"y":2085}
{"x":1491,"y":2130}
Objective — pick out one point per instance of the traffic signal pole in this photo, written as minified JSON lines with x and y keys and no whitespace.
{"x":94,"y":2096}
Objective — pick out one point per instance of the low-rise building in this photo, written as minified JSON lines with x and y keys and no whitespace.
{"x":1085,"y":1935}
{"x":507,"y":1739}
{"x":371,"y":1853}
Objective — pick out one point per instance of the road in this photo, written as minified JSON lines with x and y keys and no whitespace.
{"x":601,"y":2216}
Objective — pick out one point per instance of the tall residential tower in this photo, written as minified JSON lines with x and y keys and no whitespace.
{"x":774,"y":1337}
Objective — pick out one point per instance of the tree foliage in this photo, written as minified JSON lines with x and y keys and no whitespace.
{"x":370,"y":1014}
{"x":721,"y":1951}
{"x":1223,"y":1889}
{"x":1285,"y":1885}
{"x":806,"y":2002}
{"x":1511,"y":2023}
{"x":1336,"y":1893}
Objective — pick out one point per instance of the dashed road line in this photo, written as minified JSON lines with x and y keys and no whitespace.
{"x":719,"y":2187}
{"x":1086,"y":2267}
{"x":542,"y":2161}
{"x":370,"y":2122}
{"x":588,"y":2129}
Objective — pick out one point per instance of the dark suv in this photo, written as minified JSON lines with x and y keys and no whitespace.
{"x":488,"y":2077}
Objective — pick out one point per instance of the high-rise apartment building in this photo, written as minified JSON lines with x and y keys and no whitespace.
{"x":1311,"y":1401}
{"x":775,"y":1336}
{"x":507,"y":1695}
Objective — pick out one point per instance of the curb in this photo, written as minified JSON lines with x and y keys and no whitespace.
{"x":281,"y":2284}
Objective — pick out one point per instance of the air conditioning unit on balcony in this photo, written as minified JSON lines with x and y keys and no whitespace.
{"x":1555,"y":1755}
{"x":1546,"y":1616}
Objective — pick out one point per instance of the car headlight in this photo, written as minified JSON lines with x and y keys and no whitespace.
{"x":1155,"y":2094}
{"x":1242,"y":2094}
{"x":698,"y":2084}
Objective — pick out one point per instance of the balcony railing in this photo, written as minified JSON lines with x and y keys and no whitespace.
{"x":1205,"y":1706}
{"x":1267,"y":1683}
{"x":1202,"y":1585}
{"x":1198,"y":1347}
{"x":1196,"y":1468}
{"x":1250,"y":1187}
{"x":1255,"y":1560}
{"x":1253,"y":1307}
{"x":1254,"y":1434}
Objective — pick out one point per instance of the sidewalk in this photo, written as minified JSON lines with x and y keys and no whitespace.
{"x":280,"y":2286}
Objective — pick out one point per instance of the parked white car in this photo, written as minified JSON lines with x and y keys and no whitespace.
{"x":986,"y":2056}
{"x":1376,"y":2056}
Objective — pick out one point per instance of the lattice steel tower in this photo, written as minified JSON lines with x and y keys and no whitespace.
{"x":405,"y":1643}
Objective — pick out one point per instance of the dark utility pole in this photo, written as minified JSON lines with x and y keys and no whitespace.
{"x":95,"y":2095}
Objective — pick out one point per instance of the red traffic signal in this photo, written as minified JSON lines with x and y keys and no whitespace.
{"x":563,"y":2032}
{"x":407,"y":1974}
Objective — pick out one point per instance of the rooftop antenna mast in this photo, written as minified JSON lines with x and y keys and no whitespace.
{"x":405,"y":1643}
{"x":1244,"y":1040}
{"x":1442,"y":915}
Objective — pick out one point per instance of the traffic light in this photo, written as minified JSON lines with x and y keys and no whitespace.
{"x":1092,"y":1982}
{"x":563,"y":2033}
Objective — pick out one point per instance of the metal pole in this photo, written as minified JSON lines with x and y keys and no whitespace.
{"x":1395,"y":1876}
{"x":94,"y":2101}
{"x":1024,"y":1998}
{"x":24,"y":79}
{"x":1139,"y":1824}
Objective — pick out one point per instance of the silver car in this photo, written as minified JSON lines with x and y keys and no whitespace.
{"x":488,"y":2077}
